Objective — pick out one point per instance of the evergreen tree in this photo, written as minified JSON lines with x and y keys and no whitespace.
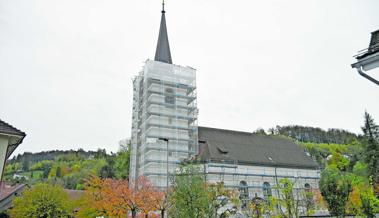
{"x":371,"y":147}
{"x":335,"y":187}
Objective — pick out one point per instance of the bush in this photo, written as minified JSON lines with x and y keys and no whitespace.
{"x":42,"y":200}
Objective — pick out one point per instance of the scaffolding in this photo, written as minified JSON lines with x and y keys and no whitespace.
{"x":164,"y":107}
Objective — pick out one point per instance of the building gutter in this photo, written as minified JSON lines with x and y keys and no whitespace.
{"x":360,"y":71}
{"x":367,"y":63}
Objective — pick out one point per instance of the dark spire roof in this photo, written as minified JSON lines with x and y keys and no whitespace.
{"x":163,"y":53}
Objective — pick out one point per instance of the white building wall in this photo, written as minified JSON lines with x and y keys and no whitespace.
{"x":231,"y":175}
{"x":3,"y":152}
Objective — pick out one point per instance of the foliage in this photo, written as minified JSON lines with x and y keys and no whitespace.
{"x":189,"y":197}
{"x":370,"y":204}
{"x":115,"y":198}
{"x":122,"y":162}
{"x":192,"y":197}
{"x":371,"y":147}
{"x":315,"y":135}
{"x":335,"y":187}
{"x":321,"y":152}
{"x":288,"y":199}
{"x":42,"y":200}
{"x":220,"y":197}
{"x":338,"y":160}
{"x":69,"y":168}
{"x":259,"y":207}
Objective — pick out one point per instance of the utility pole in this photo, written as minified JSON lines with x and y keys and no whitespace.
{"x":166,"y":140}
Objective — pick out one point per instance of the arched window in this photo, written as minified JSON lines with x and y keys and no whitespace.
{"x":244,"y":193}
{"x":267,"y":190}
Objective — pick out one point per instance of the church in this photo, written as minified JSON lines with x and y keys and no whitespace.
{"x":165,"y":132}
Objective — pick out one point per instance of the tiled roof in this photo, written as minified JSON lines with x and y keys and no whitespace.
{"x":248,"y":148}
{"x":8,"y":193}
{"x":8,"y":129}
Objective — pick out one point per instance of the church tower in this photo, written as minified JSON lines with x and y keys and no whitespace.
{"x":164,"y":120}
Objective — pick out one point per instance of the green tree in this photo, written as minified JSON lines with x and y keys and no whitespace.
{"x":371,"y":147}
{"x":25,"y":165}
{"x":42,"y":201}
{"x":107,"y":171}
{"x":221,"y":197}
{"x":335,"y":187}
{"x":370,"y":204}
{"x":189,"y":197}
{"x":58,"y":172}
{"x":289,"y":200}
{"x":122,"y":162}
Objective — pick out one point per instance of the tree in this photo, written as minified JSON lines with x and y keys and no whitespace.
{"x":335,"y":187}
{"x":189,"y":197}
{"x":25,"y":165}
{"x":160,"y":202}
{"x":260,"y":131}
{"x":58,"y":172}
{"x":370,"y":204}
{"x":220,"y":197}
{"x":289,"y":199}
{"x":42,"y":200}
{"x":259,"y":207}
{"x":122,"y":161}
{"x":107,"y":171}
{"x":114,"y":198}
{"x":371,"y":147}
{"x":90,"y":203}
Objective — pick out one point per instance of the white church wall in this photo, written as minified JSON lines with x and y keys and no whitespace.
{"x":255,"y":176}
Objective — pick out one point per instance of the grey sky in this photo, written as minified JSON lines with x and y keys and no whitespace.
{"x":66,"y":66}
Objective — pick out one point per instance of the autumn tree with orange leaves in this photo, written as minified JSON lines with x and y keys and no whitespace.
{"x":114,"y":198}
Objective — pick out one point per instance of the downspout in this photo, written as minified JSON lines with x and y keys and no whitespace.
{"x":360,"y":71}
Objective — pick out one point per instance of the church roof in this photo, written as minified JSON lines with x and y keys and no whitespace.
{"x":163,"y":53}
{"x":254,"y":149}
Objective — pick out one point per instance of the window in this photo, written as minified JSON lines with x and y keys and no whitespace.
{"x":267,"y":190}
{"x":244,"y":193}
{"x":169,"y":96}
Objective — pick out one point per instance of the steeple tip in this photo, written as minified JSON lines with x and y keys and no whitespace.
{"x":163,"y":53}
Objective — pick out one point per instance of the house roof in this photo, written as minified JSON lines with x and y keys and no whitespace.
{"x":373,"y":46}
{"x":7,"y":193}
{"x":248,"y":148}
{"x":16,"y":136}
{"x":6,"y":128}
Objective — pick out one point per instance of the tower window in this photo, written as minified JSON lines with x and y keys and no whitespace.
{"x":169,"y":96}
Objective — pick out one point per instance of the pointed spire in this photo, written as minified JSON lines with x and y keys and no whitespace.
{"x":163,"y":53}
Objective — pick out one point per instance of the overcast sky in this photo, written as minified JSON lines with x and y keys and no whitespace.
{"x":66,"y":67}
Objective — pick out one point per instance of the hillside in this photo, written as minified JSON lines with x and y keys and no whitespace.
{"x":68,"y":168}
